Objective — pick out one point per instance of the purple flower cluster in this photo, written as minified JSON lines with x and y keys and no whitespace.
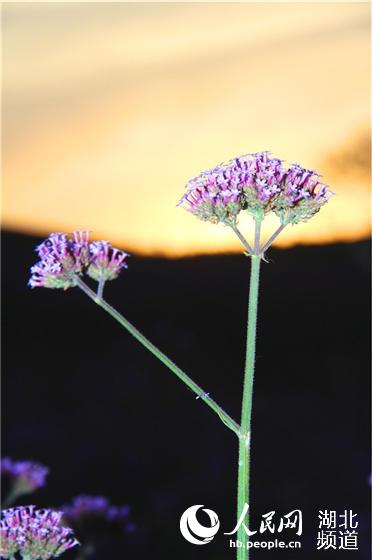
{"x":106,"y":262}
{"x":259,"y":184}
{"x":85,"y":508}
{"x":34,"y":534}
{"x":26,"y":476}
{"x":65,"y":257}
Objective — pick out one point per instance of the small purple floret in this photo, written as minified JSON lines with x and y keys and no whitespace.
{"x":105,"y":262}
{"x":34,"y":534}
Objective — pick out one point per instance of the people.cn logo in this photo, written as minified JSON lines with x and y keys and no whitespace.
{"x":195,"y":532}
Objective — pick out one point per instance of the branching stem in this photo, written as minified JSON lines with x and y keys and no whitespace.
{"x":272,"y":238}
{"x":249,"y":249}
{"x":244,"y":430}
{"x":201,"y":394}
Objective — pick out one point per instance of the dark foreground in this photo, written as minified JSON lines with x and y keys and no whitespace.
{"x":81,"y":396}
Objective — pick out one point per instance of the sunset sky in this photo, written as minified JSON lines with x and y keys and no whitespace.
{"x":109,"y":108}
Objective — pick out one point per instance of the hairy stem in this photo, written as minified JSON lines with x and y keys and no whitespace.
{"x":245,"y":437}
{"x":201,"y":394}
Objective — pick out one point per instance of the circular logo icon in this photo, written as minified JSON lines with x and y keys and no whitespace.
{"x":191,"y":529}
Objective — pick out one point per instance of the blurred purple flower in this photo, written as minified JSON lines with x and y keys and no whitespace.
{"x":105,"y":261}
{"x":259,"y":184}
{"x":86,"y":505}
{"x":34,"y":534}
{"x":86,"y":508}
{"x":25,"y":476}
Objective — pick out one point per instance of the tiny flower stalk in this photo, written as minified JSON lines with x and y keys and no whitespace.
{"x":254,"y":183}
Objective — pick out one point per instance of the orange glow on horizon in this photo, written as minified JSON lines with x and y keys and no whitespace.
{"x":110,"y":108}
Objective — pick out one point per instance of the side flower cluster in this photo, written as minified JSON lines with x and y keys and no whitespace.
{"x":65,"y":257}
{"x":259,"y":184}
{"x":34,"y":534}
{"x":25,"y":476}
{"x":84,"y":509}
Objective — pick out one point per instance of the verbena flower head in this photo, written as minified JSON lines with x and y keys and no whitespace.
{"x":259,"y":184}
{"x":34,"y":534}
{"x":26,"y":476}
{"x":65,"y":257}
{"x":105,"y":262}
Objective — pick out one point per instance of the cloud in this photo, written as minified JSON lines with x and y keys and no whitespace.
{"x":352,"y":159}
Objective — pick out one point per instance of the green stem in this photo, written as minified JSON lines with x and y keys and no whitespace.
{"x":13,"y":495}
{"x":226,"y":419}
{"x":101,"y":285}
{"x":245,"y":438}
{"x":272,"y":238}
{"x":247,"y":246}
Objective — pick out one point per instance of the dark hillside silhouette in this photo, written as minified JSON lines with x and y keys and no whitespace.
{"x":83,"y":397}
